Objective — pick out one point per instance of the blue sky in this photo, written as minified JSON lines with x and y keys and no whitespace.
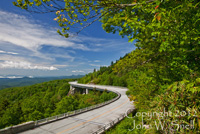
{"x":30,"y":45}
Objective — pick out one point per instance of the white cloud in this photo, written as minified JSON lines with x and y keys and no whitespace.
{"x":78,"y":71}
{"x":108,"y":45}
{"x":28,"y":44}
{"x":22,"y":31}
{"x":15,"y":58}
{"x":13,"y":77}
{"x":25,"y":65}
{"x":97,"y":61}
{"x":4,"y":52}
{"x":61,"y":66}
{"x":95,"y":65}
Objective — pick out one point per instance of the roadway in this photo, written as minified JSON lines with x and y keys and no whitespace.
{"x":88,"y":122}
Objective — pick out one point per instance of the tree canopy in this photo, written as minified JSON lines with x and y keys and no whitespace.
{"x":126,"y":16}
{"x":78,"y":14}
{"x":159,"y":26}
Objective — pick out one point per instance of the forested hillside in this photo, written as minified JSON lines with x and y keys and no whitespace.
{"x":106,"y":76}
{"x":155,"y":85}
{"x":43,"y":100}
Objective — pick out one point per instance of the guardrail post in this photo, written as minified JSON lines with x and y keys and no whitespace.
{"x":36,"y":122}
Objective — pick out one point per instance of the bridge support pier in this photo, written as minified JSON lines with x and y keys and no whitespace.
{"x":86,"y":91}
{"x":74,"y":90}
{"x":82,"y":90}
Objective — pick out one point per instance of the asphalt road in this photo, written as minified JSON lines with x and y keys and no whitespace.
{"x":91,"y":121}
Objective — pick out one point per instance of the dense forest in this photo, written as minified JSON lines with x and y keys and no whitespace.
{"x":21,"y":104}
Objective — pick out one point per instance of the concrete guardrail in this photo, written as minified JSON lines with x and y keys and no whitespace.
{"x":112,"y":123}
{"x":18,"y":128}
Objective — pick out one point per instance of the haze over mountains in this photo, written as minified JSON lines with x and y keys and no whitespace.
{"x":18,"y":81}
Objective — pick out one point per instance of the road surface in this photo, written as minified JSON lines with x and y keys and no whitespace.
{"x":91,"y":121}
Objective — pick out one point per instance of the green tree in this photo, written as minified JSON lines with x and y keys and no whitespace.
{"x":69,"y":103}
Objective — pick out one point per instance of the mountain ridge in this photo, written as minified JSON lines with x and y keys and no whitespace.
{"x":26,"y":81}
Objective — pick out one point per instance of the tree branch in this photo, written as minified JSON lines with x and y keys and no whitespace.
{"x":131,"y":5}
{"x":91,"y":22}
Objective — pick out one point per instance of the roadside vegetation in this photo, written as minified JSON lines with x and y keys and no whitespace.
{"x":162,"y":73}
{"x":154,"y":87}
{"x":30,"y":103}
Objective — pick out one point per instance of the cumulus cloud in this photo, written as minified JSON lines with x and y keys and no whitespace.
{"x":24,"y":65}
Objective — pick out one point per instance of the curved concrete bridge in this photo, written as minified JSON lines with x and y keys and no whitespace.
{"x":93,"y":121}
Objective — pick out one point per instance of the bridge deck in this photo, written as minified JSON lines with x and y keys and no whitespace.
{"x":90,"y":121}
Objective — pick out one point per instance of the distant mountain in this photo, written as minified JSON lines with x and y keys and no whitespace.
{"x":26,"y":81}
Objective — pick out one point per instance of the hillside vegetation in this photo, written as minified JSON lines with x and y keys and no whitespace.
{"x":163,"y":72}
{"x":156,"y":84}
{"x":21,"y":104}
